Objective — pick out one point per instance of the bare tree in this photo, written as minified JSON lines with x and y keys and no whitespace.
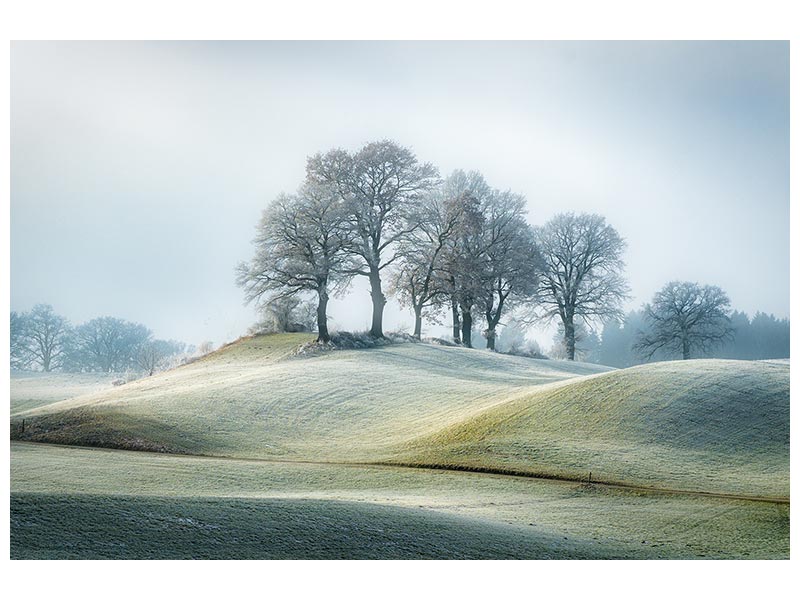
{"x":512,"y":260}
{"x":380,"y":186}
{"x":582,"y":276}
{"x":110,"y":344}
{"x":19,"y":353}
{"x":154,"y":355}
{"x":684,"y":318}
{"x":417,"y":282}
{"x":47,"y":336}
{"x":300,"y":248}
{"x":465,"y":264}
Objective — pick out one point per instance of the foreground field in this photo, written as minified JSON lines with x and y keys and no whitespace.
{"x":91,"y":503}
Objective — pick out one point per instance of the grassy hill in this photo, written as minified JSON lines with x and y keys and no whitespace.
{"x":704,"y":425}
{"x":255,"y":399}
{"x":712,"y":426}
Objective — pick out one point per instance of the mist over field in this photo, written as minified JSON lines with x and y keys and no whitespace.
{"x":140,"y":170}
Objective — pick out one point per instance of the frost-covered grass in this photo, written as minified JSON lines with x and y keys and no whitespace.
{"x":32,"y":390}
{"x":96,"y":503}
{"x":705,"y":425}
{"x":256,"y":399}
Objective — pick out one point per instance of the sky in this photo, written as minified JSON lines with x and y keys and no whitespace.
{"x":139,"y":170}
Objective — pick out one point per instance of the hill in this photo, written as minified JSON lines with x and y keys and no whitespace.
{"x":256,"y":399}
{"x":705,"y":425}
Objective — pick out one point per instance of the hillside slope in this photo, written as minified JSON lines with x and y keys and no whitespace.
{"x":255,"y":399}
{"x":706,"y":425}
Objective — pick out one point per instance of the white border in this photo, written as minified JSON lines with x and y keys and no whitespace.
{"x":410,"y":19}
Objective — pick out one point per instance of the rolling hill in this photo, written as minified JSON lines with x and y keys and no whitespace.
{"x":703,"y":425}
{"x":709,"y":425}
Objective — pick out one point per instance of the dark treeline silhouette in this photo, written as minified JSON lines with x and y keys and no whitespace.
{"x":42,"y":340}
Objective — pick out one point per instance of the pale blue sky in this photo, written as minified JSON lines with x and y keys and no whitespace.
{"x":139,"y":170}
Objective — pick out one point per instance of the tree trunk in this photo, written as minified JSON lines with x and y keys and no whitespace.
{"x":569,"y":337}
{"x":456,"y":324}
{"x":490,"y":337}
{"x":322,"y":318}
{"x":418,"y":322}
{"x":685,"y":349}
{"x":378,"y":302}
{"x":466,"y":327}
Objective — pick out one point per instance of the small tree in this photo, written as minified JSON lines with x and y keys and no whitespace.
{"x":154,"y":355}
{"x":582,"y":276}
{"x":685,"y":318}
{"x":286,"y":314}
{"x":300,"y":248}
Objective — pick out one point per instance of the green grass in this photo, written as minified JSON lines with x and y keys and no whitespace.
{"x":303,"y":458}
{"x":95,"y":503}
{"x":704,"y":425}
{"x":253,"y":399}
{"x":33,"y":390}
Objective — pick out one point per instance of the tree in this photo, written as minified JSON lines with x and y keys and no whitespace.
{"x":300,"y":248}
{"x":19,"y":354}
{"x":286,"y":314}
{"x":512,"y":262}
{"x":110,"y":344}
{"x":512,"y":337}
{"x":587,"y":343}
{"x":582,"y":276}
{"x":685,"y":318}
{"x":380,"y":186}
{"x":416,"y":282}
{"x":153,"y":355}
{"x":47,"y":336}
{"x":465,"y":194}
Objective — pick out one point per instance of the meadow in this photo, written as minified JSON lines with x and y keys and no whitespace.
{"x":405,"y":451}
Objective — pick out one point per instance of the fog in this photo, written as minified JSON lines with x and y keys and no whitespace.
{"x":139,"y":170}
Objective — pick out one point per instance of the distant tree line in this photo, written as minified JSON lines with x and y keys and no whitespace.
{"x":684,"y":320}
{"x":452,"y":246}
{"x":44,"y":340}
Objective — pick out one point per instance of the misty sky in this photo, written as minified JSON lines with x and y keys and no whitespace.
{"x":139,"y":170}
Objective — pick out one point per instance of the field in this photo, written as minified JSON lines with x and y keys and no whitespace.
{"x":256,"y":452}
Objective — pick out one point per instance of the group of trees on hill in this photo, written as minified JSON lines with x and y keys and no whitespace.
{"x":44,"y":340}
{"x":454,"y":245}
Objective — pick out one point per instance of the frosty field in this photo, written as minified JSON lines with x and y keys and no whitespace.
{"x":256,"y":452}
